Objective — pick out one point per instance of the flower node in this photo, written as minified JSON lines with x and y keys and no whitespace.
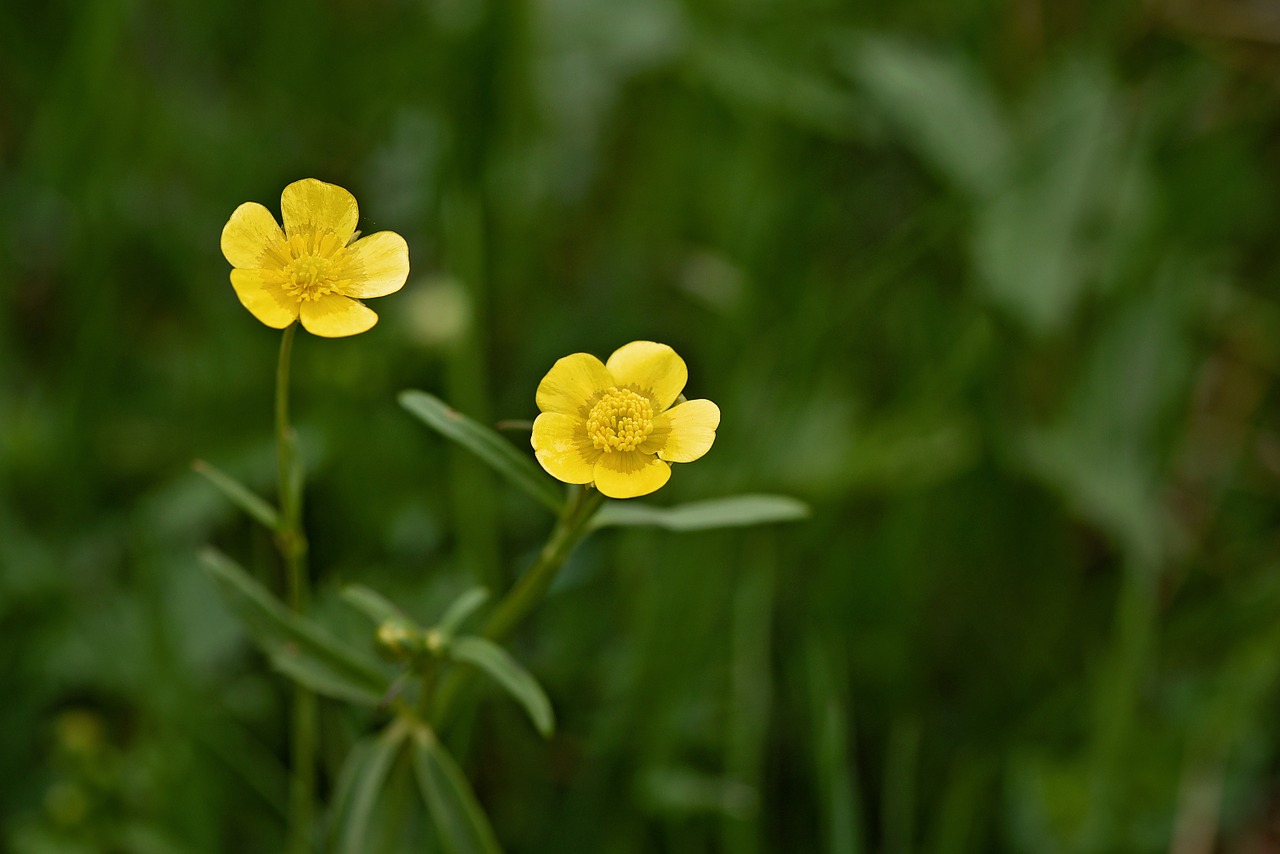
{"x":620,"y":421}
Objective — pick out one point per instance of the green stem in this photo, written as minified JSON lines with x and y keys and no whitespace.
{"x":572,"y":527}
{"x":293,"y":548}
{"x":426,"y":686}
{"x":290,"y":531}
{"x":533,"y":585}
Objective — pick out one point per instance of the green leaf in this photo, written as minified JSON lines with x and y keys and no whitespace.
{"x":458,"y":816}
{"x":1040,"y":246}
{"x":508,"y":673}
{"x":365,"y":786}
{"x":240,"y":495}
{"x":464,"y":606}
{"x":486,"y":444}
{"x":942,"y":105}
{"x":732,"y":512}
{"x":296,"y":646}
{"x":373,"y":605}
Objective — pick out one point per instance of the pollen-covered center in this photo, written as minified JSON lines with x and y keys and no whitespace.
{"x":620,"y":421}
{"x":310,"y":277}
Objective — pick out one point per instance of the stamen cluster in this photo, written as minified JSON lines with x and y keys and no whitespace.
{"x":620,"y":421}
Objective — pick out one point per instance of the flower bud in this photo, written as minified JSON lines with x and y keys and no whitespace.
{"x":395,"y":641}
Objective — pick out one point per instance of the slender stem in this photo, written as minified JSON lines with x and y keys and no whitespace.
{"x":572,"y":526}
{"x":283,"y":430}
{"x":293,"y":548}
{"x":292,"y":545}
{"x":427,"y":682}
{"x":533,"y":585}
{"x":1118,"y":699}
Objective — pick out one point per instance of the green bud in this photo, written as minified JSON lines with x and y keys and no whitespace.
{"x":395,"y":641}
{"x":435,"y":641}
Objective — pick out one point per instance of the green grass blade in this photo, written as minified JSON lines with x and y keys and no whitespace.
{"x":458,"y":816}
{"x":239,"y":494}
{"x":366,"y":786}
{"x":901,"y":786}
{"x":373,"y":605}
{"x":834,"y":751}
{"x":462,"y":608}
{"x":486,"y":444}
{"x":943,"y":106}
{"x":734,"y":511}
{"x":296,"y":646}
{"x":507,"y":672}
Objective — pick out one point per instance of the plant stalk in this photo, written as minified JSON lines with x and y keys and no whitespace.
{"x":293,"y":548}
{"x":572,"y":527}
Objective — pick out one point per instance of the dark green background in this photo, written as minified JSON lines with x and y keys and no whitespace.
{"x":991,"y":285}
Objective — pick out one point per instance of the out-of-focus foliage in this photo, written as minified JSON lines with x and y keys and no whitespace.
{"x":992,"y":286}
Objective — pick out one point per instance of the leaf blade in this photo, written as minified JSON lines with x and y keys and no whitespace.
{"x":462,"y":608}
{"x":459,"y":818}
{"x":734,"y":511}
{"x":295,"y":645}
{"x":373,"y":604}
{"x":486,"y":444}
{"x":239,"y":494}
{"x":369,"y":780}
{"x":943,"y":106}
{"x":510,"y":674}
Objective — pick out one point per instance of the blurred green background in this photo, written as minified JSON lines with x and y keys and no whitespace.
{"x":992,"y":285}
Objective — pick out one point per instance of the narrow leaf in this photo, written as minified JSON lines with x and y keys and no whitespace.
{"x":508,"y":673}
{"x":373,"y":605}
{"x":366,"y":786}
{"x":486,"y":444}
{"x":732,"y":512}
{"x":240,"y":495}
{"x":941,"y":104}
{"x":296,"y":646}
{"x":464,"y":606}
{"x":458,"y":816}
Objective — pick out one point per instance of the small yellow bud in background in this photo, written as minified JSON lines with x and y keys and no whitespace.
{"x":438,"y":313}
{"x":395,"y":641}
{"x":66,"y":803}
{"x":79,"y":732}
{"x":435,"y":641}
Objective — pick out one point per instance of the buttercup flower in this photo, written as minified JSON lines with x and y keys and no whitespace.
{"x":311,"y":268}
{"x":614,"y":425}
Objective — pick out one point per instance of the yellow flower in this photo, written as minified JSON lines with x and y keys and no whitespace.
{"x":614,"y":425}
{"x":311,"y":268}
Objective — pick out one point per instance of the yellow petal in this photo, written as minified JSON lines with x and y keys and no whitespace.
{"x":652,"y":369}
{"x":250,"y":232}
{"x":314,"y":208}
{"x":561,"y":444}
{"x":684,"y":432}
{"x":334,"y":316}
{"x":261,"y":293}
{"x":379,"y":265}
{"x":630,"y":474}
{"x":573,"y":384}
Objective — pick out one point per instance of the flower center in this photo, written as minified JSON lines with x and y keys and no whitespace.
{"x":309,"y":278}
{"x":620,"y":421}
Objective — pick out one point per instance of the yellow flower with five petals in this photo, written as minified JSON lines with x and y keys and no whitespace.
{"x":615,"y":425}
{"x":312,"y":268}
